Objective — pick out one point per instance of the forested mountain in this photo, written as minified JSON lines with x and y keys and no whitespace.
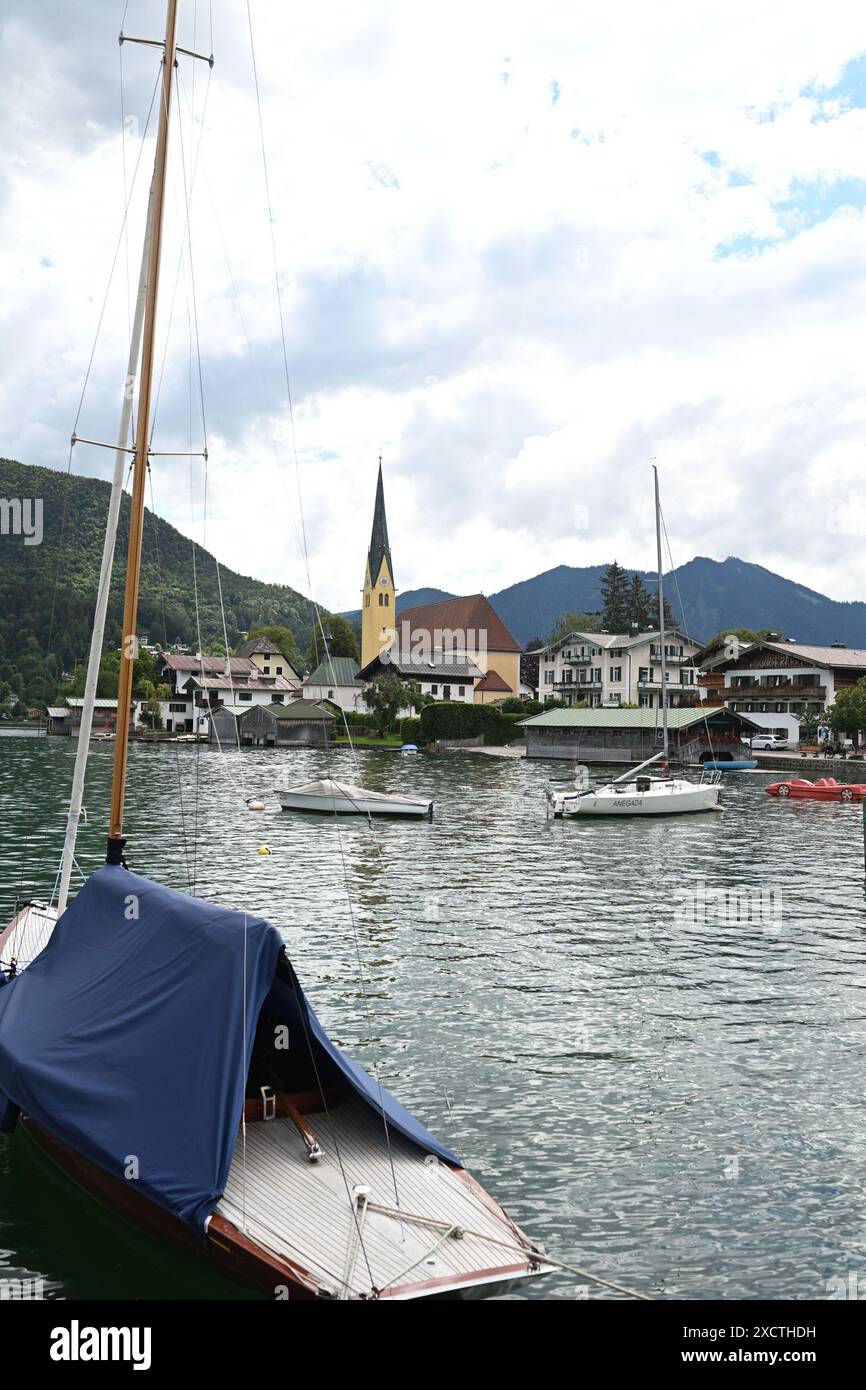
{"x":706,"y":595}
{"x":47,"y":591}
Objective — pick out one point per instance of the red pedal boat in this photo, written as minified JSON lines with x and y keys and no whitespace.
{"x":825,"y":789}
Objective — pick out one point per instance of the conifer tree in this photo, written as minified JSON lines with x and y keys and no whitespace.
{"x":615,"y":598}
{"x":641,"y":607}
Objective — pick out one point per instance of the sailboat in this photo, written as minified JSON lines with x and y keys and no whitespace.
{"x":638,"y":792}
{"x":160,"y":1048}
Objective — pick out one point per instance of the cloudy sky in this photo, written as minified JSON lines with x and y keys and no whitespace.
{"x":522,"y":249}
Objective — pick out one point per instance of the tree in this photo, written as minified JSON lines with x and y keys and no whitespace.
{"x":154,"y":697}
{"x":847,"y":714}
{"x":809,"y":727}
{"x":284,"y":639}
{"x":385,"y":697}
{"x":670,"y":618}
{"x":109,"y":676}
{"x":642,"y":609}
{"x":415,"y":697}
{"x":342,"y":640}
{"x":573,"y":622}
{"x":529,"y":663}
{"x":615,"y":599}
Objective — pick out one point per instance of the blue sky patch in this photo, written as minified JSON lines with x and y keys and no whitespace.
{"x":807,"y":204}
{"x":744,"y":247}
{"x":849,"y":91}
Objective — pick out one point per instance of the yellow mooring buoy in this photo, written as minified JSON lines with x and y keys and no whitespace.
{"x":263,"y":849}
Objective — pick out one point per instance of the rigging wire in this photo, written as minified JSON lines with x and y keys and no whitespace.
{"x":313,"y":606}
{"x":89,"y":368}
{"x":162,"y":588}
{"x":185,"y":250}
{"x":123,"y":167}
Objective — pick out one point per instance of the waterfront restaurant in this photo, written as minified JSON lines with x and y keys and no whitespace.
{"x":631,"y":735}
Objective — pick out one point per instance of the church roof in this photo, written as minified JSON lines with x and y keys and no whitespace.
{"x":471,"y":616}
{"x":380,"y":548}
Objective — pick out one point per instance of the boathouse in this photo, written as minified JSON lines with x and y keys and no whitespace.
{"x":66,"y":718}
{"x":631,"y":735}
{"x":303,"y":723}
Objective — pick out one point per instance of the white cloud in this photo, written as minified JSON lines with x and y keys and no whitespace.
{"x":518,"y":300}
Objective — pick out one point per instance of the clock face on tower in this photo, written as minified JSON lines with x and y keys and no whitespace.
{"x":384,"y":581}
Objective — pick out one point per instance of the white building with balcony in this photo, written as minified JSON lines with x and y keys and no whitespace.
{"x":610,"y":669}
{"x":199,"y":684}
{"x":778,"y":683}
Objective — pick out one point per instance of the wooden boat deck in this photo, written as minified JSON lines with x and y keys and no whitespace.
{"x":305,"y":1212}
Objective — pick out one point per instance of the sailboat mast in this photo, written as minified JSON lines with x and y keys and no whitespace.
{"x":129,"y":642}
{"x":76,"y":800}
{"x":661,"y":614}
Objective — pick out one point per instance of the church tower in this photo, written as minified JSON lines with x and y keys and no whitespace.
{"x":378,"y":616}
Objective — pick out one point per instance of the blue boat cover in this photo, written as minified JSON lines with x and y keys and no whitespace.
{"x":123,"y":1038}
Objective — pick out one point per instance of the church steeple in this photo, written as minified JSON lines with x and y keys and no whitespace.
{"x":377,"y":614}
{"x":379,"y":548}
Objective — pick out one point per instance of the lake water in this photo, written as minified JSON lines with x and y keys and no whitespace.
{"x":646,"y":1039}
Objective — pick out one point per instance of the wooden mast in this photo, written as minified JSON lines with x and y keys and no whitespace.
{"x":129,"y":643}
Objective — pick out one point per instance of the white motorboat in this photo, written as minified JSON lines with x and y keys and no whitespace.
{"x":341,"y":799}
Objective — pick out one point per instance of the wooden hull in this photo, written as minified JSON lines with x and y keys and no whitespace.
{"x":248,"y":1262}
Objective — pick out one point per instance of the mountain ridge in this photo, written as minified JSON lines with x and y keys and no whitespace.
{"x":706,"y":595}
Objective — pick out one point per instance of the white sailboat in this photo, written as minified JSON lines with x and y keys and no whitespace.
{"x":637,"y":792}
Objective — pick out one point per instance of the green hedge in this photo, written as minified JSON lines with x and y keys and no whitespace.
{"x":454,"y":720}
{"x":410,"y":730}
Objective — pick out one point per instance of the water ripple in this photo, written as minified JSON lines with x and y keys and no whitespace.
{"x":647,"y":1039}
